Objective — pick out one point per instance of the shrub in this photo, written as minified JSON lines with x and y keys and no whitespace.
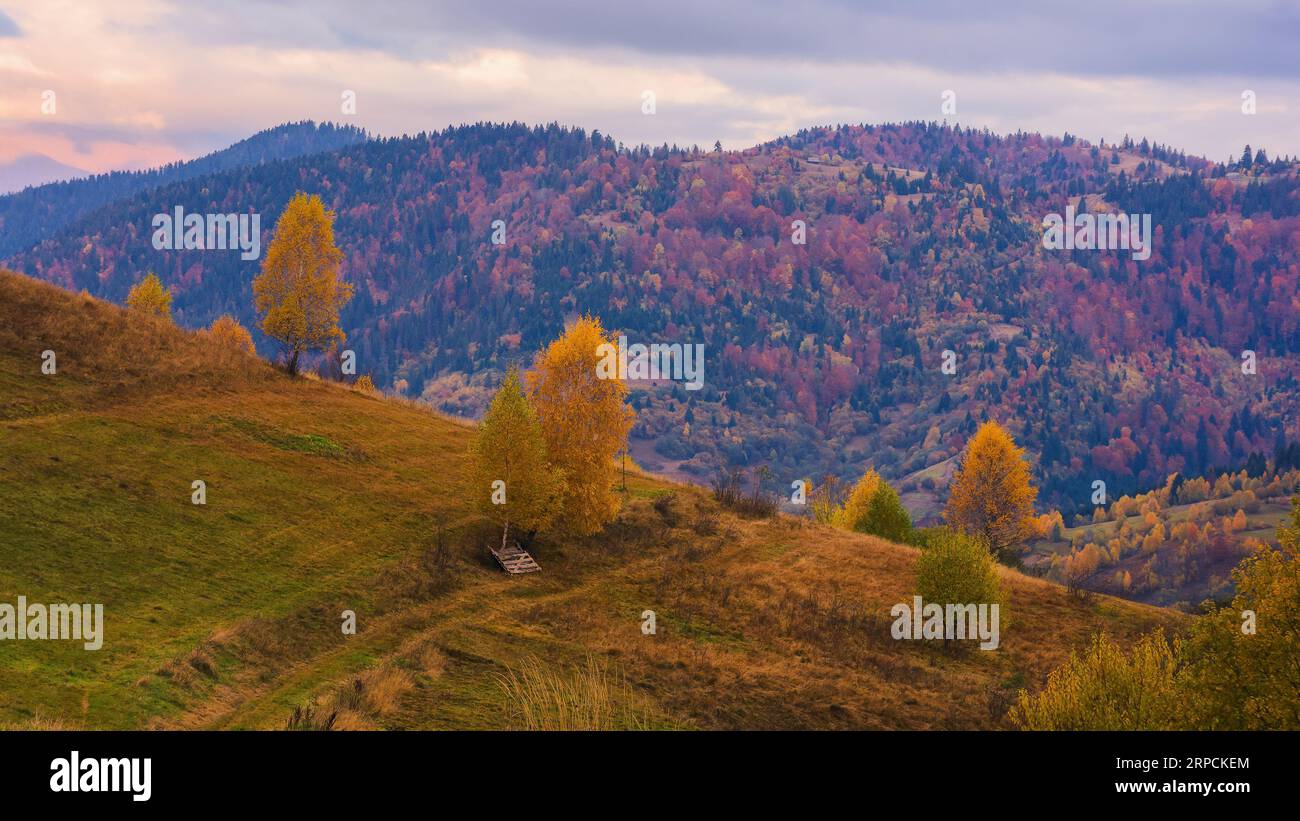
{"x":824,"y":500}
{"x":1239,"y":680}
{"x":886,"y":516}
{"x":1106,"y":688}
{"x":853,"y":514}
{"x":728,"y":490}
{"x":666,"y":507}
{"x":1225,"y":676}
{"x":371,"y":696}
{"x":957,"y":569}
{"x":365,"y":384}
{"x":228,"y":333}
{"x":706,"y":523}
{"x":874,"y":507}
{"x":923,"y":537}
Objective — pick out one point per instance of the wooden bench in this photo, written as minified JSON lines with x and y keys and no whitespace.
{"x":515,"y":560}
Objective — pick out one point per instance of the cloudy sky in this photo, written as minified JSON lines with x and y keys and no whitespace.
{"x":141,"y":82}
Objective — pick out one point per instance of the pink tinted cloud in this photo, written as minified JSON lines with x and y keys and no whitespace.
{"x":95,"y":156}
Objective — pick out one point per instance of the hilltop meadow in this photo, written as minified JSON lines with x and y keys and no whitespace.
{"x":322,"y":499}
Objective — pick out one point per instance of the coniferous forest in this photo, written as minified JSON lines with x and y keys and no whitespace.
{"x":825,"y":356}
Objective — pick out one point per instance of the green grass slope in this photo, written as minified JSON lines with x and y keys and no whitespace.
{"x":321,"y":500}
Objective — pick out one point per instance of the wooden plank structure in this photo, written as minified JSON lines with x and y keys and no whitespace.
{"x":515,"y":560}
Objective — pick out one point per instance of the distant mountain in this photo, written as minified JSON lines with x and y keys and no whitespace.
{"x":825,"y":356}
{"x":34,"y":169}
{"x":30,"y":216}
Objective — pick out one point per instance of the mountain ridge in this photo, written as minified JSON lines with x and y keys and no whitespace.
{"x":34,"y":169}
{"x":921,"y":238}
{"x":31,"y":215}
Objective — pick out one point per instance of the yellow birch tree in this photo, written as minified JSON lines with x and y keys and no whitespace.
{"x":991,"y":497}
{"x":584,"y":422}
{"x":858,"y":502}
{"x":148,"y":296}
{"x":509,"y":479}
{"x":300,"y":290}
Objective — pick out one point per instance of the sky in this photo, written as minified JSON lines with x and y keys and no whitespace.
{"x":137,"y":83}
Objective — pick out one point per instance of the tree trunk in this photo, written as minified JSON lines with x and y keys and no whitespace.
{"x":504,"y":532}
{"x":293,"y":363}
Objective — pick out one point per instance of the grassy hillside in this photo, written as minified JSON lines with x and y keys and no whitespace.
{"x":321,"y":499}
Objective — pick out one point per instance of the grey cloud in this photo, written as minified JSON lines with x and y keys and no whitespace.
{"x":190,"y":141}
{"x":1101,"y":38}
{"x":1098,"y":38}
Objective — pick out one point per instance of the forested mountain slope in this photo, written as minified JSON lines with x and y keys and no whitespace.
{"x":820,"y":357}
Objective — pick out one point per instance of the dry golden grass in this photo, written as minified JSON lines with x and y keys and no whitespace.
{"x":429,"y":659}
{"x":784,"y":624}
{"x":776,"y":624}
{"x":40,"y":722}
{"x":111,"y":352}
{"x":371,"y":697}
{"x":585,"y":697}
